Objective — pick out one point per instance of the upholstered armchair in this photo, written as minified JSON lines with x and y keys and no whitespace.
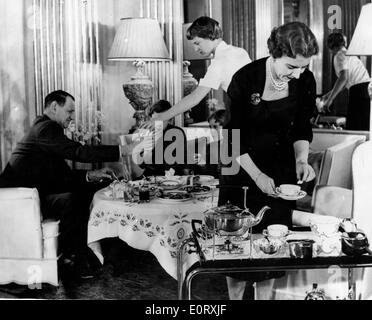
{"x":28,"y":246}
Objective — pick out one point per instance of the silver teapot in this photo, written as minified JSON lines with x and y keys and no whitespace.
{"x":228,"y":220}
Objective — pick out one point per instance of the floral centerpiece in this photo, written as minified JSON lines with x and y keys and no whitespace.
{"x":214,"y":105}
{"x":88,"y":132}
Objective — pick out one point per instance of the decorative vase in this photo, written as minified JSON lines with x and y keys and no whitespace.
{"x":139,"y":91}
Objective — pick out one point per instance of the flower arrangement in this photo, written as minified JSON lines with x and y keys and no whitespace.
{"x":90,"y":132}
{"x":214,"y":105}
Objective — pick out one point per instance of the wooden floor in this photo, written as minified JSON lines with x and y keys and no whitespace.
{"x":128,"y":274}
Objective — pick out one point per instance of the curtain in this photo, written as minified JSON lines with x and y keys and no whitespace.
{"x":66,"y":57}
{"x":16,"y":97}
{"x":239,"y":24}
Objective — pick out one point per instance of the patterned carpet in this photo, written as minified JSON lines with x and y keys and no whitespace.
{"x":128,"y":274}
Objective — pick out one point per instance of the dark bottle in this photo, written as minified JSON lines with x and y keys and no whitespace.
{"x":144,"y":192}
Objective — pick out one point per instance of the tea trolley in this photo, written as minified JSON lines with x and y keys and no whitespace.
{"x":203,"y":266}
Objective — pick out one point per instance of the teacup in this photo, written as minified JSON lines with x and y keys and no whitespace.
{"x":276,"y":231}
{"x":326,"y":227}
{"x":289,"y":189}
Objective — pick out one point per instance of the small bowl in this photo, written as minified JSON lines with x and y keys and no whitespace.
{"x":276,"y":231}
{"x":354,"y":243}
{"x":266,"y":246}
{"x":170,"y":184}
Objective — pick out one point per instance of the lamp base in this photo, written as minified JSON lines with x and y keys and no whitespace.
{"x":139,"y":91}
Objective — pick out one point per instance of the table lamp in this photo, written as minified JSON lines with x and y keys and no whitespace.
{"x":361,"y":42}
{"x":139,"y":40}
{"x":188,"y":80}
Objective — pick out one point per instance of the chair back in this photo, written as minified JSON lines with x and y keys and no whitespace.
{"x":362,"y":204}
{"x":362,"y":184}
{"x":333,"y":201}
{"x":335,"y":168}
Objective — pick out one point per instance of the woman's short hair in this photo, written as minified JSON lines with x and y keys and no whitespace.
{"x":291,"y":39}
{"x":336,"y":40}
{"x":206,"y":28}
{"x":58,"y":96}
{"x":159,"y":107}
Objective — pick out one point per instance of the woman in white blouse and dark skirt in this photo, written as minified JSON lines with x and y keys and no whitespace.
{"x":352,"y":75}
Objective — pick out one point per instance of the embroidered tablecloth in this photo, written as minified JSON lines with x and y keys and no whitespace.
{"x":157,"y":226}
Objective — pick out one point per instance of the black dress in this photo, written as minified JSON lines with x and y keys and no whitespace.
{"x":268,"y":130}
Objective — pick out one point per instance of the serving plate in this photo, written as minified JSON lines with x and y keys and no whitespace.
{"x":197,"y":189}
{"x":160,"y":179}
{"x":174,"y":197}
{"x":298,"y":196}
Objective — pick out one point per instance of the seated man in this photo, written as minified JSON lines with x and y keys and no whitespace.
{"x":65,"y":194}
{"x":163,"y":150}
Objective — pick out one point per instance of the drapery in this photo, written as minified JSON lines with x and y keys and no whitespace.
{"x":15,"y":109}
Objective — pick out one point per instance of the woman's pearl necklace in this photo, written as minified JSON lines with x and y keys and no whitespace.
{"x":278,"y":85}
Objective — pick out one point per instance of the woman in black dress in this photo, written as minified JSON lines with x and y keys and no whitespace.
{"x":272,"y":101}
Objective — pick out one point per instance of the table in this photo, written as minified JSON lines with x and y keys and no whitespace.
{"x":156,"y":226}
{"x":198,"y":266}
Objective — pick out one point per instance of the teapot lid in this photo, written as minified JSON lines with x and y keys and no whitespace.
{"x":228,"y":208}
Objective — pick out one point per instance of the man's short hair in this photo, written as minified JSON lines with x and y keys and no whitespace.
{"x":58,"y":96}
{"x":206,"y":28}
{"x":336,"y":40}
{"x":160,"y":107}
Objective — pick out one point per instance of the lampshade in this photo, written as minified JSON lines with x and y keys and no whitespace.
{"x":138,"y":38}
{"x":188,"y":50}
{"x":361,"y":43}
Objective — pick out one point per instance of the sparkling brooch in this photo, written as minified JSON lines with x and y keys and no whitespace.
{"x":255,"y":99}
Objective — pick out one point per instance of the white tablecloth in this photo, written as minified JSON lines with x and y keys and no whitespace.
{"x":157,"y":226}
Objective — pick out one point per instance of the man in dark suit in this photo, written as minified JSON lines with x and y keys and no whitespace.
{"x":65,"y":194}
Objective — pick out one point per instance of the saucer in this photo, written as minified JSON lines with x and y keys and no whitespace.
{"x":298,"y":196}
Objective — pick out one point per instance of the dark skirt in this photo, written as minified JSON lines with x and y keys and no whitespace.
{"x":280,"y":211}
{"x":359,"y":105}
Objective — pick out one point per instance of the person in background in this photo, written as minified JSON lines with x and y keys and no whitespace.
{"x":65,"y":194}
{"x":145,"y":162}
{"x":352,"y":75}
{"x":206,"y":35}
{"x":272,"y":100}
{"x":212,"y":166}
